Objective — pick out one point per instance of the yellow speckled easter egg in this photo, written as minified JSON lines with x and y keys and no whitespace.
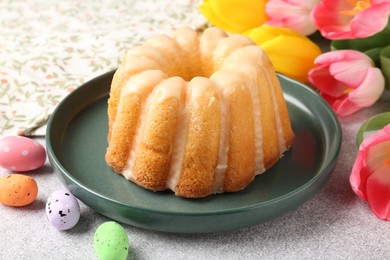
{"x":17,"y":190}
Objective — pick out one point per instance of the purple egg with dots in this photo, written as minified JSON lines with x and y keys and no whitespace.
{"x":20,"y":154}
{"x":62,"y":210}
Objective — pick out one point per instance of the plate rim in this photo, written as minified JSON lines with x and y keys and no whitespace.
{"x":323,"y":170}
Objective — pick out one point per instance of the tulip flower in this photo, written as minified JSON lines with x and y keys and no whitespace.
{"x":377,"y":47}
{"x":234,"y":16}
{"x":347,"y":80}
{"x":370,"y":178}
{"x":291,"y":53}
{"x":350,"y":19}
{"x":293,"y":14}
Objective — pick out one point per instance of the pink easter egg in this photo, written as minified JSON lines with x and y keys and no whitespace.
{"x":19,"y":154}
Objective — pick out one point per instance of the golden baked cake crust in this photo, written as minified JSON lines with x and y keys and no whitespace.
{"x":198,"y":114}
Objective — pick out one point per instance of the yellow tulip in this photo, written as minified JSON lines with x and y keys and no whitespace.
{"x":291,"y":53}
{"x":234,"y":16}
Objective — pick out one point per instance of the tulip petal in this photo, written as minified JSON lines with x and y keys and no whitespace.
{"x":370,"y":90}
{"x":341,"y":55}
{"x":378,"y":137}
{"x":377,"y":41}
{"x":261,"y":34}
{"x":378,"y":192}
{"x":359,"y":175}
{"x":335,"y":19}
{"x":266,"y":33}
{"x":368,"y":22}
{"x":300,"y":24}
{"x":234,"y":16}
{"x":365,"y":95}
{"x":348,"y":76}
{"x":291,"y":14}
{"x":326,"y":18}
{"x":377,"y":155}
{"x":345,"y":107}
{"x":352,"y":74}
{"x":321,"y":78}
{"x":328,"y":98}
{"x":291,"y":53}
{"x":290,"y":60}
{"x":360,"y":170}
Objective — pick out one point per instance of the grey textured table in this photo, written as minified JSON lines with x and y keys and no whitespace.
{"x":334,"y":224}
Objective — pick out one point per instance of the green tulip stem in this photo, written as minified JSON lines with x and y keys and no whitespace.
{"x":385,"y":64}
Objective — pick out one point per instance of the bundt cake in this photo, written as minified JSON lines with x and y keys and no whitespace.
{"x":196,"y":113}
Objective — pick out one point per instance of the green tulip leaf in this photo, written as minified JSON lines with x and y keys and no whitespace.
{"x":374,"y":54}
{"x":373,"y":124}
{"x":385,"y":64}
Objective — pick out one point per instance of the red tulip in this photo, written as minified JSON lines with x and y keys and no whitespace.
{"x":350,"y":19}
{"x":347,"y":80}
{"x":370,"y":178}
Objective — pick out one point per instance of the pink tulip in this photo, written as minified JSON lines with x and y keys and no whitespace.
{"x":292,"y":14}
{"x":347,"y":80}
{"x":370,"y":178}
{"x":351,"y":19}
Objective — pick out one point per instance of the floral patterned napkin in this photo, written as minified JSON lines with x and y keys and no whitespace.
{"x":49,"y":48}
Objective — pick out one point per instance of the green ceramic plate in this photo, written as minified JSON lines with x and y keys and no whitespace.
{"x":77,"y":140}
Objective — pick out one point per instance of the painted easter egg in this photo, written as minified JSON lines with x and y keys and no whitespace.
{"x":19,"y":154}
{"x":111,"y":241}
{"x":17,"y":190}
{"x":62,"y":210}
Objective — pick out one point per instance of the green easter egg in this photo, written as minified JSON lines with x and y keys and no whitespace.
{"x":111,"y":241}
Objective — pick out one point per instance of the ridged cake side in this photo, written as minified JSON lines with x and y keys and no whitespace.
{"x":196,"y":114}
